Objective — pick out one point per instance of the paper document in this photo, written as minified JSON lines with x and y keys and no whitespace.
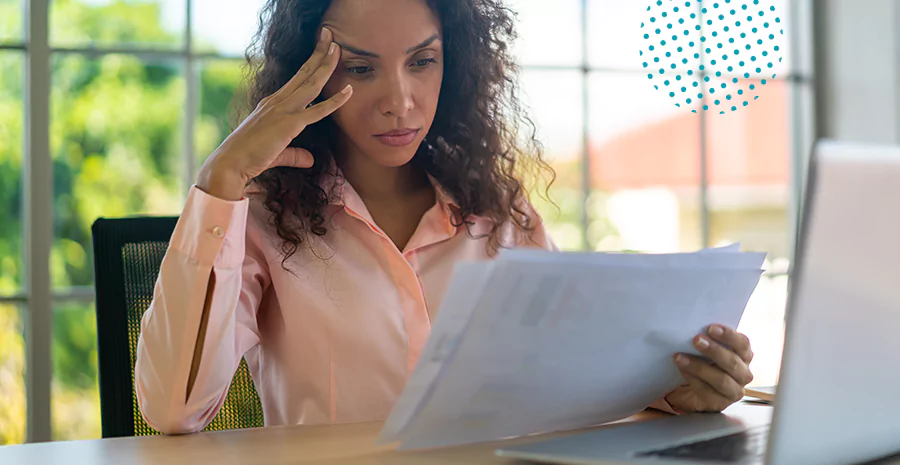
{"x":538,"y":341}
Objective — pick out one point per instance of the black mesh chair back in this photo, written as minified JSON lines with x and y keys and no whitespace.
{"x":127,"y":256}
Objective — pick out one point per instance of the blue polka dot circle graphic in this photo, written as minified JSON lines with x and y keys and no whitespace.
{"x":712,"y":55}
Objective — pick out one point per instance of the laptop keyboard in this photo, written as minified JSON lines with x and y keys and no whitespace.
{"x":738,"y":447}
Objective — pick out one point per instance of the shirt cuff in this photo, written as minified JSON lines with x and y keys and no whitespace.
{"x":211,"y":231}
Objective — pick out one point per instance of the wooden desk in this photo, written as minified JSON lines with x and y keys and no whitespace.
{"x":333,"y":444}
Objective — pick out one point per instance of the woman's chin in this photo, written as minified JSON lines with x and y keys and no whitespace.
{"x":394,"y":157}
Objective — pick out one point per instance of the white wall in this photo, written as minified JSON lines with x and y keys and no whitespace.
{"x":857,"y":45}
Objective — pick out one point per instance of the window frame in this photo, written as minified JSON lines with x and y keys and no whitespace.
{"x":37,"y":297}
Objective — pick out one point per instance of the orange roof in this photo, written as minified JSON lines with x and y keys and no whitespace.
{"x":748,"y":147}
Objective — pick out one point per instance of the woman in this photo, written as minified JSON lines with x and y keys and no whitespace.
{"x":320,"y":236}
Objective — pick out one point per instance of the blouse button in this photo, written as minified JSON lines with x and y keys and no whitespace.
{"x":218,"y":232}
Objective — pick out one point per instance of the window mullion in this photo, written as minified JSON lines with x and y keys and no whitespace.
{"x":38,"y":209}
{"x":191,"y":101}
{"x":585,"y":129}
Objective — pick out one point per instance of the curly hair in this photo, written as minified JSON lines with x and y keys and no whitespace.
{"x":473,"y":149}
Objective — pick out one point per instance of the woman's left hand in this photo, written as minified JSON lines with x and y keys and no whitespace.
{"x":711,"y":387}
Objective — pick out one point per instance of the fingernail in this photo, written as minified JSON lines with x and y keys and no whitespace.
{"x":702,"y":343}
{"x":347,"y":89}
{"x":323,"y":36}
{"x":331,"y":48}
{"x":715,"y":331}
{"x":681,"y":360}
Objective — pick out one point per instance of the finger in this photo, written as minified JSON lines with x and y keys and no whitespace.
{"x":293,"y":157}
{"x":725,"y":358}
{"x":319,"y":111}
{"x":321,"y":53}
{"x":711,"y":375}
{"x":738,"y":342}
{"x":710,"y":399}
{"x":265,"y":100}
{"x":312,"y":87}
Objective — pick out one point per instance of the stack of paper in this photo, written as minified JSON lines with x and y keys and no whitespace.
{"x":537,"y":341}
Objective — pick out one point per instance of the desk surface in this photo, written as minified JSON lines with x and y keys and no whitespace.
{"x":332,"y":444}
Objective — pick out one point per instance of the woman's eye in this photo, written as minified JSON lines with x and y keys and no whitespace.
{"x":425,"y":62}
{"x":358,"y":70}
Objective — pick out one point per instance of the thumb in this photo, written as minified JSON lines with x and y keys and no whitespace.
{"x":293,"y":157}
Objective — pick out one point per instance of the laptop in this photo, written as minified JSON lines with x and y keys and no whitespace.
{"x":837,"y":397}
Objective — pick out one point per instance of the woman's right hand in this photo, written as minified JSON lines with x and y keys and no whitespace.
{"x":261,"y":141}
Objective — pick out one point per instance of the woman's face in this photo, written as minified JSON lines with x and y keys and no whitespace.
{"x":392,"y":55}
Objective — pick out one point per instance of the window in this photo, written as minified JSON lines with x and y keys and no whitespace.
{"x":12,"y":132}
{"x":12,"y":372}
{"x":139,"y":95}
{"x":12,"y":271}
{"x":219,"y":79}
{"x":12,"y":25}
{"x":637,"y":173}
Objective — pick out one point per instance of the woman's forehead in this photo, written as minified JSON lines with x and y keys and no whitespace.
{"x":381,"y":26}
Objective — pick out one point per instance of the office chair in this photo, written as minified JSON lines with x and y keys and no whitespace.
{"x":127,"y":257}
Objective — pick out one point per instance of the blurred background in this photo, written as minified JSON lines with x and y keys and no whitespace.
{"x":138,"y":95}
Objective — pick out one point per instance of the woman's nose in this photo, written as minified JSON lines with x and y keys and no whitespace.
{"x":397,"y":100}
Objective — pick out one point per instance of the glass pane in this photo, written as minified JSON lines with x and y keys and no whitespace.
{"x":555,"y":101}
{"x":763,"y":323}
{"x":154,"y":24}
{"x":116,"y":140}
{"x":12,"y":21}
{"x":749,"y":172}
{"x":12,"y":376}
{"x":615,"y":37}
{"x":645,"y":168}
{"x":225,"y":27}
{"x":550,"y":33}
{"x":75,"y":401}
{"x":11,"y":134}
{"x":219,"y":80}
{"x":752,"y":41}
{"x":730,"y":94}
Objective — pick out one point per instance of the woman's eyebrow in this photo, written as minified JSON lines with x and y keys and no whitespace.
{"x":423,"y":44}
{"x":361,"y":52}
{"x":357,"y":51}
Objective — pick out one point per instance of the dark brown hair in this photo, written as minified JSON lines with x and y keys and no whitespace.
{"x":473,"y":149}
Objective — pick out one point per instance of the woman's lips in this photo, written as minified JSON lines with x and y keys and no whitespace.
{"x":400,"y":138}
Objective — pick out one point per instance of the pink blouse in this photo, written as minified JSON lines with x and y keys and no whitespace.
{"x":333,"y":339}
